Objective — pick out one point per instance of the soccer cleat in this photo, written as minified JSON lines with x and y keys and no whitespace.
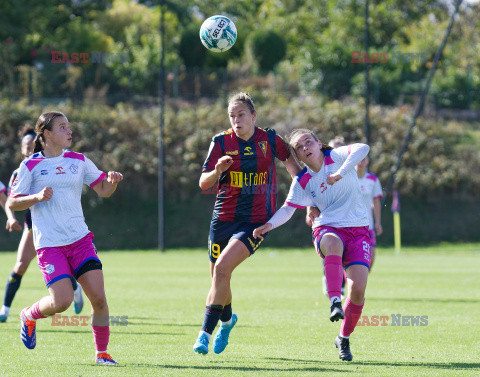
{"x":3,"y":317}
{"x":201,"y":345}
{"x":343,"y":345}
{"x":336,"y":311}
{"x":78,"y":299}
{"x":221,"y":338}
{"x":27,"y":331}
{"x":105,"y":359}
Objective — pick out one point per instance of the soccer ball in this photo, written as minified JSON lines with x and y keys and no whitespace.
{"x":218,"y":33}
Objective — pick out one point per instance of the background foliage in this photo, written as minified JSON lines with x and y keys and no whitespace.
{"x":311,"y":83}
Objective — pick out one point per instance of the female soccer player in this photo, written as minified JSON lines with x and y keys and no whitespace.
{"x":50,"y":183}
{"x":26,"y":249}
{"x":372,"y":192}
{"x":340,"y":234}
{"x":242,"y":159}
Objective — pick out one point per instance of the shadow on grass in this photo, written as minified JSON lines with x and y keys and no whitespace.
{"x":113,"y":331}
{"x":427,"y":299}
{"x":386,"y":363}
{"x":240,"y":368}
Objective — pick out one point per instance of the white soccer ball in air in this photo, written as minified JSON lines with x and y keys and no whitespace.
{"x":218,"y":33}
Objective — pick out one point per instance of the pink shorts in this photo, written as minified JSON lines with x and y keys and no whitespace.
{"x":356,"y":243}
{"x":64,"y":261}
{"x":373,"y":237}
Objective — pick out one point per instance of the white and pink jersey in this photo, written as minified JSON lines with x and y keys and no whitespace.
{"x":341,"y":205}
{"x":59,"y":221}
{"x":371,"y":189}
{"x":2,"y":188}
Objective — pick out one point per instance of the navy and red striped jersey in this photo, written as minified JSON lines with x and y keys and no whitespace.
{"x":247,"y":191}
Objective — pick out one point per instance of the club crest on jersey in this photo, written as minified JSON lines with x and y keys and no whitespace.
{"x":74,"y":168}
{"x":50,"y":269}
{"x":232,"y":153}
{"x":43,"y":172}
{"x":263,"y":147}
{"x":247,"y":151}
{"x":59,"y":170}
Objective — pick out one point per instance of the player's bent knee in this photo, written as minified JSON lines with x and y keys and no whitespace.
{"x":61,"y":304}
{"x":357,"y":293}
{"x":221,"y":272}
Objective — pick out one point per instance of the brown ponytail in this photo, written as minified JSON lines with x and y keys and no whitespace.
{"x":44,"y":122}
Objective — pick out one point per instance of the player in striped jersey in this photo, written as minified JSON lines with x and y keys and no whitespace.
{"x":372,"y":192}
{"x":340,"y":234}
{"x":26,"y":249}
{"x":50,"y":182}
{"x":242,"y":160}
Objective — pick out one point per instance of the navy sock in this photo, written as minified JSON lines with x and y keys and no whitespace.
{"x":227,"y":313}
{"x":74,"y":283}
{"x":13,"y":283}
{"x":212,"y":316}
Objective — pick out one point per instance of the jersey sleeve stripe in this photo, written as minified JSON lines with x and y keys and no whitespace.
{"x":3,"y":189}
{"x":328,"y":159}
{"x":17,"y":195}
{"x":304,"y":180}
{"x":99,"y":179}
{"x":31,"y":163}
{"x":294,"y":205}
{"x":373,"y":177}
{"x":378,"y":196}
{"x":74,"y":155}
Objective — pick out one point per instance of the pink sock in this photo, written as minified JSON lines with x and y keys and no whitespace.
{"x":34,"y":313}
{"x":334,"y":275}
{"x":101,"y":335}
{"x":352,"y":315}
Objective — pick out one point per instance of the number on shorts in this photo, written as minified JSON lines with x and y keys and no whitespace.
{"x":214,"y":249}
{"x":366,"y":249}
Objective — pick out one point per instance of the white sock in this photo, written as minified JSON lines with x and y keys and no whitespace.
{"x":77,"y":292}
{"x":99,"y":352}
{"x":229,"y":322}
{"x":344,"y":337}
{"x":5,"y":310}
{"x":203,"y":332}
{"x":335,"y":299}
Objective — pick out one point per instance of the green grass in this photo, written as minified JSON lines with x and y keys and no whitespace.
{"x":283,"y":327}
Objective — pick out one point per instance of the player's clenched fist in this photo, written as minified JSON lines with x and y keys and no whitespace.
{"x":223,"y":164}
{"x":45,"y":195}
{"x":114,"y":177}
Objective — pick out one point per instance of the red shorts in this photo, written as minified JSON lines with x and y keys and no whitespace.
{"x":64,"y":261}
{"x":356,"y":243}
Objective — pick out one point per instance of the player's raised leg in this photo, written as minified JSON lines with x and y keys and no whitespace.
{"x":233,"y":254}
{"x":332,"y":247}
{"x":61,"y":296}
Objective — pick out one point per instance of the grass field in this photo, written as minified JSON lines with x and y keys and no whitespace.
{"x":283,"y":327}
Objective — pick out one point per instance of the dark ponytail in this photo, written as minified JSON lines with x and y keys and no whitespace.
{"x":44,"y":122}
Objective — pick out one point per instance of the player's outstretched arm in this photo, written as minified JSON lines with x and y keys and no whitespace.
{"x":21,"y":203}
{"x":281,"y":217}
{"x":107,"y":187}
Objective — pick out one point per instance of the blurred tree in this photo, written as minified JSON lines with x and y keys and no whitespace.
{"x":268,"y":48}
